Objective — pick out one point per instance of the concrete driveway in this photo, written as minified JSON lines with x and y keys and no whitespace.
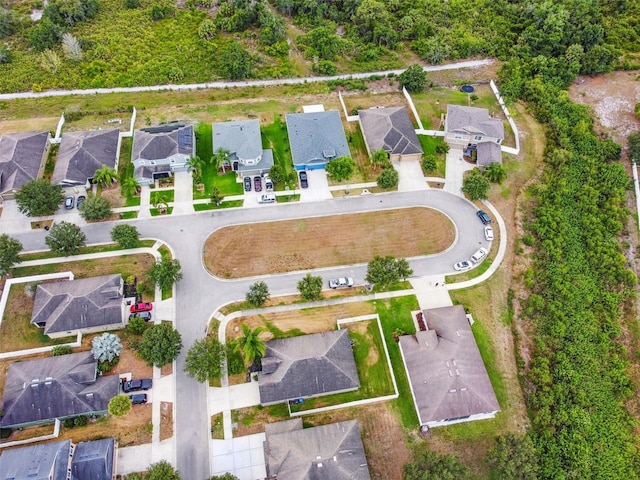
{"x":455,"y":169}
{"x":410,"y":176}
{"x":318,"y":187}
{"x":242,"y":456}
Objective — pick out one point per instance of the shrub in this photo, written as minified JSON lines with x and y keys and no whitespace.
{"x":325,"y":67}
{"x":106,"y":347}
{"x":207,"y":29}
{"x":310,"y":288}
{"x":137,"y":325}
{"x":414,"y":79}
{"x":340,"y":168}
{"x":130,"y":4}
{"x":388,"y":178}
{"x":476,"y":185}
{"x":119,"y":405}
{"x":442,"y":148}
{"x":80,"y":421}
{"x":59,"y":350}
{"x":429,"y":163}
{"x":95,"y":208}
{"x":69,"y":423}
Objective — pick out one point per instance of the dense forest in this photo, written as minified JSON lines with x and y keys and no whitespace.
{"x":577,"y":383}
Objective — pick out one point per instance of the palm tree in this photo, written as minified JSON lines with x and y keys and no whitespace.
{"x":380,"y":158}
{"x":129,"y":186}
{"x":195,"y":164}
{"x":250,"y":345}
{"x":496,"y":172}
{"x":105,"y":176}
{"x":219,"y":157}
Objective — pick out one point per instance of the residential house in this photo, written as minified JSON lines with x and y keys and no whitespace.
{"x":390,"y":129}
{"x":470,"y":127}
{"x":316,"y":138}
{"x":22,"y":159}
{"x":307,"y":366}
{"x":327,"y":452}
{"x":39,"y":391}
{"x":82,"y":153}
{"x":87,"y":305}
{"x":448,"y":379}
{"x":242,"y":141}
{"x":62,"y":460}
{"x":160,"y":151}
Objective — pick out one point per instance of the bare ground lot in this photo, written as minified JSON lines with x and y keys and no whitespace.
{"x":326,"y":241}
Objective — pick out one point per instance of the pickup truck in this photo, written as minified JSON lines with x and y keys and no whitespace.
{"x":341,"y":282}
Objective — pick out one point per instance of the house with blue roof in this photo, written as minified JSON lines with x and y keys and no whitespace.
{"x":316,"y":138}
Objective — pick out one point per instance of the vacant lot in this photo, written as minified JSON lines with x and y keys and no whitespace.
{"x":326,"y":241}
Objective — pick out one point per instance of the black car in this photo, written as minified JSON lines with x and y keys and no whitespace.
{"x":484,"y":217}
{"x":304,"y":183}
{"x":145,"y":315}
{"x":81,"y":199}
{"x":247,"y":184}
{"x":139,"y":399}
{"x":135,"y":385}
{"x":257,"y":183}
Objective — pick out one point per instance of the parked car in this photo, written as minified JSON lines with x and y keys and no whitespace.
{"x":69,"y":202}
{"x":488,"y":233}
{"x":142,"y":307}
{"x":247,"y":184}
{"x":81,"y":199}
{"x":342,"y":282}
{"x":139,"y":399}
{"x":268,"y":184}
{"x":479,"y":255}
{"x":136,"y":385}
{"x":484,"y":217}
{"x":257,"y":184}
{"x":462,"y":266}
{"x":144,"y":315}
{"x":267,"y":198}
{"x":304,"y":183}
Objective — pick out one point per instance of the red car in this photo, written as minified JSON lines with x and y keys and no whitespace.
{"x":141,"y":307}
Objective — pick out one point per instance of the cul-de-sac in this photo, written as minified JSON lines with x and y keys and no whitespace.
{"x":283,"y":240}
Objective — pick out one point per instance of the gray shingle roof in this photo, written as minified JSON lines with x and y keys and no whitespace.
{"x":82,"y":153}
{"x":307,"y":365}
{"x":316,"y":137}
{"x":21,"y":158}
{"x":93,"y":460}
{"x":327,"y":452}
{"x":78,"y":304}
{"x":36,"y":462}
{"x":389,"y":129}
{"x":242,"y":139}
{"x":56,"y":387}
{"x":447,"y":375}
{"x":472,"y":121}
{"x":159,"y":143}
{"x":488,"y":153}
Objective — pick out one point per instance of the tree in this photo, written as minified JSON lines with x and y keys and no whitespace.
{"x":431,"y":466}
{"x":119,"y":405}
{"x":166,"y":273}
{"x":39,"y":198}
{"x":50,"y":61}
{"x":71,"y":47}
{"x":496,"y":173}
{"x":380,"y":159}
{"x":384,"y":271}
{"x":161,"y":344}
{"x":129,"y":186}
{"x":207,"y":29}
{"x":258,"y":294}
{"x":634,"y":146}
{"x":277,"y":174}
{"x":162,"y":470}
{"x":388,"y":178}
{"x":226,"y":476}
{"x":106,"y":347}
{"x":105,"y":176}
{"x":125,"y":235}
{"x":514,"y":458}
{"x":195,"y":164}
{"x":95,"y":208}
{"x":249,"y":344}
{"x":10,"y":249}
{"x":476,"y":185}
{"x":205,"y":359}
{"x":340,"y":168}
{"x":45,"y":35}
{"x":216,"y":196}
{"x":234,"y":62}
{"x":65,"y":238}
{"x":137,"y":325}
{"x":310,"y":288}
{"x":414,"y":79}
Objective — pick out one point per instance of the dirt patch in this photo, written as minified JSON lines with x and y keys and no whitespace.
{"x":306,"y":243}
{"x":166,"y":420}
{"x":613,"y":98}
{"x":113,"y":195}
{"x":362,"y":328}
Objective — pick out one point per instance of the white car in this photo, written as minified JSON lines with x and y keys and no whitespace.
{"x":479,"y":255}
{"x":488,"y":233}
{"x":342,"y":282}
{"x":462,"y":266}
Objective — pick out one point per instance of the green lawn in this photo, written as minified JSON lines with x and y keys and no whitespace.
{"x":275,"y":137}
{"x":162,"y":196}
{"x":129,"y":215}
{"x":396,"y":313}
{"x":84,"y":250}
{"x":200,"y":207}
{"x":429,"y":148}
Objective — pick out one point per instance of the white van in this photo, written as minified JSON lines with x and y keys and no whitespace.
{"x":267,"y":198}
{"x":479,"y":255}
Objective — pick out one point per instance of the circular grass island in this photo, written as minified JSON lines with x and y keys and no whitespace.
{"x":285,"y":246}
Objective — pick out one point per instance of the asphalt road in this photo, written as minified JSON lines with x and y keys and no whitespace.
{"x":199,"y":294}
